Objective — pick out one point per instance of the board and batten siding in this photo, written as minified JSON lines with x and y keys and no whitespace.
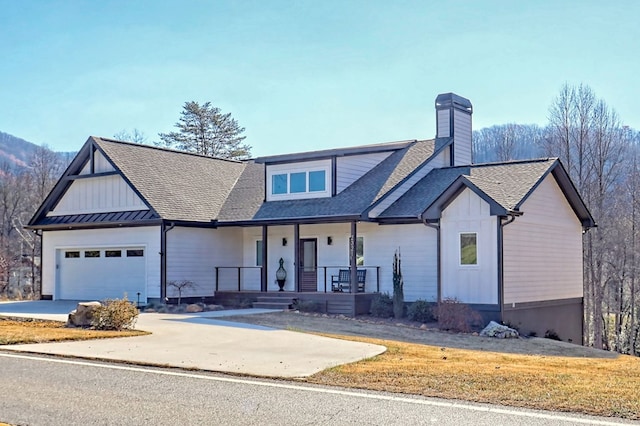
{"x":436,"y":162}
{"x":351,"y":168}
{"x":418,"y":246}
{"x":102,"y":194}
{"x":193,"y":254}
{"x":469,"y":213}
{"x":463,"y":152}
{"x":100,"y":165}
{"x":543,"y":249}
{"x":147,"y":237}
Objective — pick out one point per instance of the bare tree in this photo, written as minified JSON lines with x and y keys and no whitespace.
{"x":135,"y":136}
{"x":180,"y":286}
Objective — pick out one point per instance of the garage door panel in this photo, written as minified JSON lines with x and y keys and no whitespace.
{"x":89,"y":274}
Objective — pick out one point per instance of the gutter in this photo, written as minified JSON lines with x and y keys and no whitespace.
{"x":511,"y":217}
{"x":164,"y":228}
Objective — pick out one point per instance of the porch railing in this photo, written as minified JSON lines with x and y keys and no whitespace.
{"x":248,"y":278}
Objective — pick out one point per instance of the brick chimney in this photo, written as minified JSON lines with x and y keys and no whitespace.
{"x":453,"y":120}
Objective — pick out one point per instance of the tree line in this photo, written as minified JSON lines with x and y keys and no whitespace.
{"x":601,"y":155}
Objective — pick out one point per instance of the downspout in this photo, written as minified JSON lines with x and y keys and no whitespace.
{"x":38,"y":232}
{"x":164,"y":228}
{"x":438,"y":268}
{"x":501,"y":225}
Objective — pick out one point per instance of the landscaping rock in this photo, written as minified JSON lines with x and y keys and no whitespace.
{"x":215,"y":307}
{"x":82,"y":315}
{"x":193,"y":308}
{"x":493,"y":329}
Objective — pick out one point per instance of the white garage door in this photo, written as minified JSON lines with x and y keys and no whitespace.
{"x":101,"y":273}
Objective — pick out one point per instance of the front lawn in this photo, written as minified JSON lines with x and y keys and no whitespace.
{"x":597,"y":386}
{"x":14,"y":331}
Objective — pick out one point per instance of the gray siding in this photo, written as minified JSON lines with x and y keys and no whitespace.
{"x":353,"y":167}
{"x":462,"y":138}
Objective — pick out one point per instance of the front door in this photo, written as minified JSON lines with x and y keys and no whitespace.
{"x":308,"y":271}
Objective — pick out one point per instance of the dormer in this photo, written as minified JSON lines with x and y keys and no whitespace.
{"x":319,"y":174}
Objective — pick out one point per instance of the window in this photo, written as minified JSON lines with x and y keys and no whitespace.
{"x":92,"y":253}
{"x":468,"y":248}
{"x":298,"y":182}
{"x":317,"y":181}
{"x":359,"y":250}
{"x":279,"y":184}
{"x":135,"y":253}
{"x":259,"y":253}
{"x":112,"y":253}
{"x":71,"y":254}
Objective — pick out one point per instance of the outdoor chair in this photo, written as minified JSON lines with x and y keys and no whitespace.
{"x":342,"y":281}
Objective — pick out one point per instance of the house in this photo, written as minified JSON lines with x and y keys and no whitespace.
{"x":504,"y":237}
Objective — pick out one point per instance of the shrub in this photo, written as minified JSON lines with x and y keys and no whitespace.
{"x":455,"y":316}
{"x":307,"y":306}
{"x":382,"y":306}
{"x":398,"y":286}
{"x":115,"y":314}
{"x":420,"y":311}
{"x":551,"y":334}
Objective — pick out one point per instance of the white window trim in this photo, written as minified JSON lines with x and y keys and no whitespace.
{"x":459,"y":243}
{"x":306,"y":167}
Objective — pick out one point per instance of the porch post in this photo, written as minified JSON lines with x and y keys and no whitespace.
{"x":263,"y":271}
{"x":353,"y":261}
{"x":296,"y":255}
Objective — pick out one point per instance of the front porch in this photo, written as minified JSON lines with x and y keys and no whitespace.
{"x":336,"y":303}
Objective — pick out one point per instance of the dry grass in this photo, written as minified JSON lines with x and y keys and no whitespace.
{"x":15,"y":331}
{"x":604,"y":387}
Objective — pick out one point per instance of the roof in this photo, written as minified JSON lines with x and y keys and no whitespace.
{"x":177,"y":185}
{"x":245,"y":202}
{"x":504,"y":185}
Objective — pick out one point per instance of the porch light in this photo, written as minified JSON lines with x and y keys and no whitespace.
{"x":284,"y":241}
{"x":329,"y":241}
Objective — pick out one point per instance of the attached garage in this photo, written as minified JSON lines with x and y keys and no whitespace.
{"x":101,"y":273}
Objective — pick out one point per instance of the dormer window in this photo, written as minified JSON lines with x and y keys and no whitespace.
{"x":298,"y":180}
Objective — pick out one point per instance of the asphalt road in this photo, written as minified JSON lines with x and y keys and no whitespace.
{"x":52,"y":391}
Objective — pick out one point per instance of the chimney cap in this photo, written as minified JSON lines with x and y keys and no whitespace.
{"x":449,"y":100}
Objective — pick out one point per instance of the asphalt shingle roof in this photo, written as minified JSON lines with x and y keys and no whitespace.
{"x":177,"y":185}
{"x":245,"y":201}
{"x":506,"y":183}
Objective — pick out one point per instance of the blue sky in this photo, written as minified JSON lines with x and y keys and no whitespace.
{"x":304,"y":75}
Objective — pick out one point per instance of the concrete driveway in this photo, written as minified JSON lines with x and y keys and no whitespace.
{"x":201,"y":341}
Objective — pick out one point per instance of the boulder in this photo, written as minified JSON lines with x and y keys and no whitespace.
{"x":215,"y":307}
{"x":493,"y":329}
{"x":82,"y":315}
{"x":194,"y":308}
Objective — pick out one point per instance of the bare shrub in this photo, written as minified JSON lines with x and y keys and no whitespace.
{"x":307,"y":306}
{"x":382,"y":306}
{"x":420,"y":311}
{"x":456,"y":316}
{"x":115,"y":314}
{"x":180,"y":286}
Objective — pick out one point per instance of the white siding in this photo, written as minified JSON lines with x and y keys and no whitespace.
{"x":462,"y":138}
{"x":100,"y":165}
{"x":469,"y":283}
{"x":543,"y":249}
{"x":98,"y":195}
{"x":146,"y":237}
{"x":443,"y":124}
{"x":353,"y":167}
{"x":437,"y":162}
{"x":418,"y":248}
{"x":193,"y":254}
{"x":417,"y":243}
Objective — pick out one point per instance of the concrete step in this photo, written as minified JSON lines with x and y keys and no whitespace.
{"x":272,"y":305}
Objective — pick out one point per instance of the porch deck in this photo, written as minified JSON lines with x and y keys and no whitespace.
{"x":349,"y":304}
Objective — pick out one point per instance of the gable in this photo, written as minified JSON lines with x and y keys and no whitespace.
{"x":548,"y":204}
{"x":100,"y":165}
{"x":100,"y":194}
